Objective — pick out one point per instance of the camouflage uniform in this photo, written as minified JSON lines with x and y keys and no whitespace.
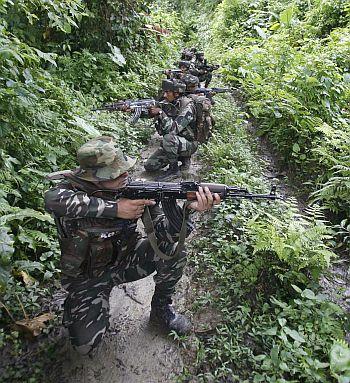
{"x":192,"y":83}
{"x":201,"y":65}
{"x":179,"y":135}
{"x":99,"y":250}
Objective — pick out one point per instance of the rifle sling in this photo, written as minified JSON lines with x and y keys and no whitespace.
{"x":149,"y":229}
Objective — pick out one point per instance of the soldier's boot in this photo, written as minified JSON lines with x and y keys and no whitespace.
{"x":172,"y":172}
{"x":164,"y":315}
{"x":186,"y":163}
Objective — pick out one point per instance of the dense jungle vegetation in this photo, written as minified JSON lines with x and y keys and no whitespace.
{"x":290,"y":60}
{"x":58,"y":60}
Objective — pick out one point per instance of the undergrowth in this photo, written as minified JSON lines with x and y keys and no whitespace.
{"x":58,"y":61}
{"x":261,"y":262}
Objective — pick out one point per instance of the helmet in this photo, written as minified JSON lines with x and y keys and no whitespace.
{"x":101,"y":160}
{"x":186,"y":64}
{"x":173,"y":85}
{"x":198,"y":54}
{"x":189,"y":79}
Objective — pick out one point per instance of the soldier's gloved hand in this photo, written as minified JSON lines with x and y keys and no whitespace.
{"x":205,"y":200}
{"x":132,"y":208}
{"x":154,"y":111}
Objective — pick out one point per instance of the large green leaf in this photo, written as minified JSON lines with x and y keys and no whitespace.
{"x":116,"y":55}
{"x":6,"y":243}
{"x":81,"y":123}
{"x":287,"y":15}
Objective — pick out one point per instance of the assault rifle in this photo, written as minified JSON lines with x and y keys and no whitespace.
{"x":168,"y":192}
{"x":136,"y":106}
{"x":186,"y":190}
{"x":211,"y":91}
{"x":172,"y":72}
{"x":208,"y":68}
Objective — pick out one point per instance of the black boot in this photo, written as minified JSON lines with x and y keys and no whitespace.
{"x":172,"y":172}
{"x":186,"y":163}
{"x":164,"y":315}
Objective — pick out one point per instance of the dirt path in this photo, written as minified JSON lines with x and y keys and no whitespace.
{"x":132,"y":351}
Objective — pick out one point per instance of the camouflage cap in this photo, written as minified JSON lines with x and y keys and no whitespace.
{"x":101,"y":160}
{"x":189,"y":79}
{"x":184,"y":63}
{"x":173,"y":85}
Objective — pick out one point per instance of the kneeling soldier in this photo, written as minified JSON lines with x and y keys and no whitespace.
{"x":177,"y":125}
{"x":101,"y":247}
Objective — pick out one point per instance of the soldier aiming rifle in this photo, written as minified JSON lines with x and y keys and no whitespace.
{"x":204,"y":69}
{"x":101,"y":248}
{"x":178,"y":131}
{"x":96,"y":208}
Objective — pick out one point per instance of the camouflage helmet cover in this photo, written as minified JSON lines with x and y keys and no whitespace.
{"x":101,"y":160}
{"x":185,"y":63}
{"x":189,"y":79}
{"x":173,"y":85}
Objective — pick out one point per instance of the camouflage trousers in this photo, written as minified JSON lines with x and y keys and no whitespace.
{"x":172,"y":147}
{"x":86,"y":309}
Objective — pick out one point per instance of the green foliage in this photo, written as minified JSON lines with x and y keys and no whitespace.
{"x":58,"y":60}
{"x":262,"y":262}
{"x":340,"y":361}
{"x":292,"y":62}
{"x":299,"y":240}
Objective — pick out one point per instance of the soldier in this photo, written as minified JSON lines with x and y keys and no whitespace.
{"x":191,"y":82}
{"x":177,"y":126}
{"x":188,"y":53}
{"x":204,"y":69}
{"x":192,"y":88}
{"x":100,"y":247}
{"x":188,"y":67}
{"x":203,"y":103}
{"x":185,"y":67}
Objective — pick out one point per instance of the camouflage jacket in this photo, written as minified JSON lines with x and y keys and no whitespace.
{"x":91,"y":236}
{"x":183,"y":123}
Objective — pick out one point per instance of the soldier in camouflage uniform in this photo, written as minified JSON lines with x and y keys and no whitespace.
{"x":205,"y":71}
{"x":192,"y":87}
{"x":203,"y":103}
{"x":185,"y":67}
{"x":178,"y":129}
{"x":101,"y":248}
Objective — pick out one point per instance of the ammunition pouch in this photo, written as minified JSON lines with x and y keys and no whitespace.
{"x":90,"y":248}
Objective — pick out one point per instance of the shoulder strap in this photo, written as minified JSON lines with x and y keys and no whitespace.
{"x":149,"y":229}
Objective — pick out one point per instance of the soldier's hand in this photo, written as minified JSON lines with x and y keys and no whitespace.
{"x":154,"y":111}
{"x":205,"y":200}
{"x":132,"y":208}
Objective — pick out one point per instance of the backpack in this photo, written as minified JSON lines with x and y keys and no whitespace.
{"x":204,"y":119}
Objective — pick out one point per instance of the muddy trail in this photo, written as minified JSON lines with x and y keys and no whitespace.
{"x":133,"y":351}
